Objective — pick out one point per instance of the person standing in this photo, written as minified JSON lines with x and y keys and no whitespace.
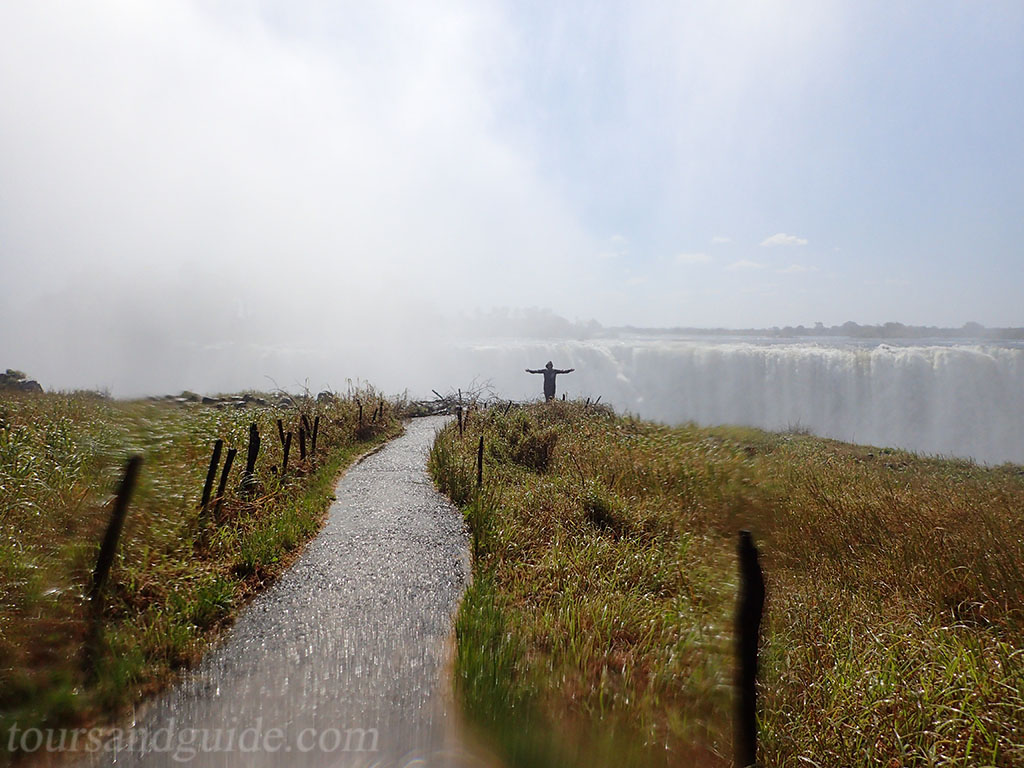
{"x":550,"y":372}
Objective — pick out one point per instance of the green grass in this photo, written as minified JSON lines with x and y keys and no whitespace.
{"x":179,"y":577}
{"x":598,"y":630}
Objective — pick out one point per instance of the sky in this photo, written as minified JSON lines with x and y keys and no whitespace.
{"x":276,"y":173}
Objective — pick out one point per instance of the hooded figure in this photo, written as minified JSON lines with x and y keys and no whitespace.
{"x":550,"y":372}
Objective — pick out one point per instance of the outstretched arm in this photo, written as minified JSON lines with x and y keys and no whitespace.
{"x":568,"y":371}
{"x":529,"y":370}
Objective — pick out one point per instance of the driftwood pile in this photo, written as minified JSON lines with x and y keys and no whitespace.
{"x":476,"y":397}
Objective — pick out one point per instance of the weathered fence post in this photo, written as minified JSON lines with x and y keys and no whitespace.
{"x":280,"y":430}
{"x":222,"y":486}
{"x":360,"y":404}
{"x":302,"y":443}
{"x":316,"y":430}
{"x":106,"y":558}
{"x":254,"y":449}
{"x":211,"y":474}
{"x":458,"y":415}
{"x":109,"y":545}
{"x":249,"y":484}
{"x":480,"y":463}
{"x":749,"y":610}
{"x":287,"y":447}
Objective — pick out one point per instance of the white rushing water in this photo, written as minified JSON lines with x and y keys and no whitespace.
{"x":953,"y":399}
{"x":937,"y":397}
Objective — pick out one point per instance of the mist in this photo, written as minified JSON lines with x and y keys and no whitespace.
{"x":180,"y":184}
{"x":217,"y":196}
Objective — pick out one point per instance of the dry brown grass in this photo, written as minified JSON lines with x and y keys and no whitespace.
{"x":178,"y":577}
{"x":894,"y":627}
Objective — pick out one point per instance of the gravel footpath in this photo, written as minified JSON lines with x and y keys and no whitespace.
{"x":343,"y":661}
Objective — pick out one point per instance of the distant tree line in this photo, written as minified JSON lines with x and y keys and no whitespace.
{"x":848,"y":329}
{"x":540,"y":323}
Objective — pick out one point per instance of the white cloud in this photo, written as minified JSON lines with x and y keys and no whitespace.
{"x":782,"y":238}
{"x":617,"y":248}
{"x":720,"y":240}
{"x":619,"y":244}
{"x":692,"y":258}
{"x":744,"y":264}
{"x":793,"y":269}
{"x":889,"y":282}
{"x":760,"y":289}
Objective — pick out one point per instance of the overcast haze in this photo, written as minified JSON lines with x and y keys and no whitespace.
{"x":175,"y":174}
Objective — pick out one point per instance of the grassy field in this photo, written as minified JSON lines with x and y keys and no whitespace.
{"x":179,"y":576}
{"x":598,"y":629}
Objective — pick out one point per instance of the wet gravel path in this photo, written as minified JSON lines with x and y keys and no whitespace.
{"x":343,"y":661}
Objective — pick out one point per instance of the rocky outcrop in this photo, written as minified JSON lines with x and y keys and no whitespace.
{"x":16,"y":381}
{"x":239,"y":401}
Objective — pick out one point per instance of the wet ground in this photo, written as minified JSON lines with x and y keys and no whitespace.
{"x":343,"y":661}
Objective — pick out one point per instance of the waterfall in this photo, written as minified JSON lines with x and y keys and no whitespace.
{"x":955,"y":399}
{"x":959,"y":400}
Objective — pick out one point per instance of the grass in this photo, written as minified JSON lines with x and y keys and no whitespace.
{"x":598,"y":630}
{"x":179,"y":576}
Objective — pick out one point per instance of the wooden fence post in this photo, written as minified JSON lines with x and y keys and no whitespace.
{"x":109,"y":545}
{"x":228,"y":461}
{"x":106,"y":558}
{"x":749,"y":610}
{"x":254,"y":449}
{"x":211,"y":474}
{"x":458,"y":415}
{"x":280,"y":430}
{"x":480,"y":463}
{"x":302,"y":443}
{"x":287,"y":447}
{"x":249,"y":483}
